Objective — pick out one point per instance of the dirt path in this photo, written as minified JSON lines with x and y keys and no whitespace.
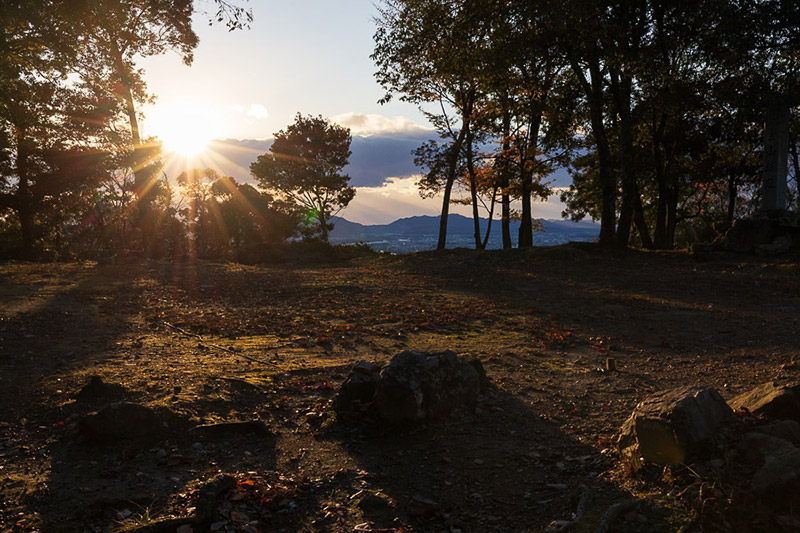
{"x":212,"y":343}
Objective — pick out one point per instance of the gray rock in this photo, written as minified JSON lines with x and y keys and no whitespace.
{"x":670,"y":426}
{"x":417,"y":386}
{"x":781,"y":463}
{"x":788,"y":430}
{"x":761,"y":235}
{"x":358,"y":391}
{"x":770,"y":401}
{"x":120,"y":421}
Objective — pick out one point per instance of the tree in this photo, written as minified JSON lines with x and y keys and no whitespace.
{"x":304,"y":164}
{"x":118,"y":32}
{"x":427,"y":52}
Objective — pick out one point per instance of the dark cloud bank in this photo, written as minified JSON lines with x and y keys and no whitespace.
{"x":374,"y":158}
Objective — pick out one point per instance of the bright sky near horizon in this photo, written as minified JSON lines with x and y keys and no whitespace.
{"x":307,"y":56}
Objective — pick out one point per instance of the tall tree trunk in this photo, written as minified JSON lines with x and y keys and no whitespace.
{"x":641,"y":223}
{"x":473,"y":190}
{"x":143,"y":176}
{"x":525,"y":238}
{"x":672,"y":215}
{"x":733,"y":196}
{"x":796,"y":164}
{"x":448,"y":186}
{"x":489,"y":222}
{"x":526,"y":183}
{"x":23,"y":198}
{"x":505,"y":200}
{"x":593,"y":90}
{"x":660,"y":232}
{"x":323,"y":225}
{"x":621,"y":86}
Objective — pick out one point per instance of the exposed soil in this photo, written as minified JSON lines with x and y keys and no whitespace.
{"x":208,"y":343}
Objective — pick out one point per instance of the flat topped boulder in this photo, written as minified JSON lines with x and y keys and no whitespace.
{"x":770,"y":400}
{"x":672,"y":425}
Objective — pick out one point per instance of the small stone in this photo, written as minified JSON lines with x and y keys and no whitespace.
{"x":237,"y":517}
{"x":197,"y":446}
{"x":216,"y":526}
{"x":161,"y":453}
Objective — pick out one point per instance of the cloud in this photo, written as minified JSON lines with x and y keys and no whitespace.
{"x":257,"y":111}
{"x":367,"y":125}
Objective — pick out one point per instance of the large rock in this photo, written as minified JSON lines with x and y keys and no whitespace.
{"x":770,"y":401}
{"x":762,"y":235}
{"x":120,"y":421}
{"x":670,"y":426}
{"x":788,"y":430}
{"x":357,"y":393}
{"x":780,"y":469}
{"x":417,"y":386}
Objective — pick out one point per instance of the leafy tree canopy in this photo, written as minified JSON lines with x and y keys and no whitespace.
{"x":305,"y":164}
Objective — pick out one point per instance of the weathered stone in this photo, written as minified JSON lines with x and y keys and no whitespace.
{"x":417,"y":386}
{"x":770,"y":401}
{"x":781,"y":463}
{"x":788,"y":430}
{"x":672,"y":425}
{"x":358,"y":390}
{"x":120,"y":421}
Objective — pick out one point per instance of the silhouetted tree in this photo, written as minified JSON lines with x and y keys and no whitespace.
{"x":304,"y":165}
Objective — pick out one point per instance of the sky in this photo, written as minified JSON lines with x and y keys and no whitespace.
{"x":306,"y":56}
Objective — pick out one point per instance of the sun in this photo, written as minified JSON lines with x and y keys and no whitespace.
{"x":187,"y":128}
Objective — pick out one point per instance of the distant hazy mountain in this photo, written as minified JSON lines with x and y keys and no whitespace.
{"x":421,"y":233}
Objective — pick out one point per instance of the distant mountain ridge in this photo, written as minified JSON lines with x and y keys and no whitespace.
{"x":456,"y":225}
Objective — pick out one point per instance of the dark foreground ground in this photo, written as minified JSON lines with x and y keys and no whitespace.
{"x":207,"y":343}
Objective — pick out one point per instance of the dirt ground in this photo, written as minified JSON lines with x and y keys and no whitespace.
{"x":208,"y":343}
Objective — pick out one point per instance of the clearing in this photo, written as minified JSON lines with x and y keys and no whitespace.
{"x":211,"y":342}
